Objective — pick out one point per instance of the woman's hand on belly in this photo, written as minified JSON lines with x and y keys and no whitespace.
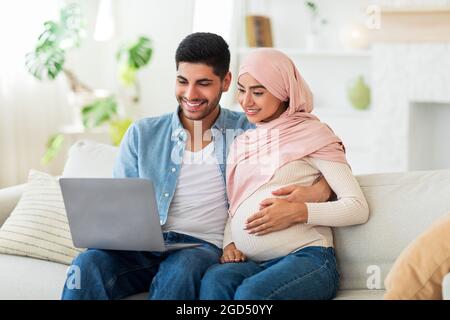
{"x":278,"y":214}
{"x":232,"y":254}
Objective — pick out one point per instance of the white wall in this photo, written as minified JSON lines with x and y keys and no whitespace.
{"x":36,"y":109}
{"x":290,"y":19}
{"x":31,"y":110}
{"x":166,"y":23}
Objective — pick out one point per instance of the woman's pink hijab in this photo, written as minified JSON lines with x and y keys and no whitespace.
{"x":256,"y":154}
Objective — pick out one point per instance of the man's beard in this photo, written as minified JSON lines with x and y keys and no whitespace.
{"x":210,"y":107}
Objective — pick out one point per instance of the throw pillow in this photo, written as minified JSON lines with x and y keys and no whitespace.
{"x":90,"y":159}
{"x":38,"y":225}
{"x":419,"y":270}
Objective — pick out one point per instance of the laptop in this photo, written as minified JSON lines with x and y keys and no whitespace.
{"x":114,"y":214}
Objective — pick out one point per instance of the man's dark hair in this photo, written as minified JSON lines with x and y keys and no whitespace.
{"x":204,"y":47}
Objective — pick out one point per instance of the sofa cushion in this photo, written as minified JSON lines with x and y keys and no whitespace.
{"x":90,"y":159}
{"x":402,"y":205}
{"x":43,"y":280}
{"x":8,"y":200}
{"x":361,"y":294}
{"x":419,"y":270}
{"x":25,"y":278}
{"x":38,"y":225}
{"x":341,"y":295}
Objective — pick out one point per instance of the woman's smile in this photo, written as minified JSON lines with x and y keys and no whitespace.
{"x":251,"y":111}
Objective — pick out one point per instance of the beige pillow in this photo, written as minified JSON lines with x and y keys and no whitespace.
{"x":90,"y":159}
{"x":38,"y":225}
{"x":419,"y":270}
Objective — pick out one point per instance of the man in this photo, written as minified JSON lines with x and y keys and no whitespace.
{"x":183,"y":154}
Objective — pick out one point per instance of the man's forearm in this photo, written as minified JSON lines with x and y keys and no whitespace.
{"x":323,"y":191}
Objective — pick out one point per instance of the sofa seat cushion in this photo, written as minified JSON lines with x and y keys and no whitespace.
{"x":362,"y":294}
{"x":43,"y":280}
{"x":138,"y":296}
{"x":24,"y":278}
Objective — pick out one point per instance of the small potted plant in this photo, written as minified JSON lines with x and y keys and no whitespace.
{"x":316,"y":24}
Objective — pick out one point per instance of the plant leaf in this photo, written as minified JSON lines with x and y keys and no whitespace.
{"x":138,"y":54}
{"x":47,"y":60}
{"x":50,"y":36}
{"x":311,"y":6}
{"x":127,"y":75}
{"x":117,"y":129}
{"x":45,"y":63}
{"x":54,"y":145}
{"x":73,"y":26}
{"x":99,"y":112}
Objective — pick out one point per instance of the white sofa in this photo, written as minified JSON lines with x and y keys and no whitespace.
{"x":402,"y":205}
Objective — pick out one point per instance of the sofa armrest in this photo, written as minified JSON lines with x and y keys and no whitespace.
{"x":8,"y":200}
{"x":446,"y":287}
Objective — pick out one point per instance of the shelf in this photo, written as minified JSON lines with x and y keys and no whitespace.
{"x":342,"y":113}
{"x":71,"y":129}
{"x":416,"y":9}
{"x":414,"y":25}
{"x":325,"y":53}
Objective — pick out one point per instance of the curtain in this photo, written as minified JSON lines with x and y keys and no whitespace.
{"x":30,"y":110}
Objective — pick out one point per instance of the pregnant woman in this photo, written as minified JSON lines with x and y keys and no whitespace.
{"x":289,"y":255}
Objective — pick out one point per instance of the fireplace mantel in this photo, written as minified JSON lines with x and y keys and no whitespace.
{"x":413,"y":25}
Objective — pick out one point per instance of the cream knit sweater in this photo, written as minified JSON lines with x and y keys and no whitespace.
{"x":350,"y":208}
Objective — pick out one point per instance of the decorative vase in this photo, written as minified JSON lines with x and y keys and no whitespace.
{"x":358,"y":94}
{"x":311,"y":41}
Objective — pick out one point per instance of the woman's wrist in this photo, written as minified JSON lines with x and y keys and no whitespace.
{"x":301,"y":213}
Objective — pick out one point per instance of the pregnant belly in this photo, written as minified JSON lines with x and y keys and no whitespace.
{"x":269,"y":246}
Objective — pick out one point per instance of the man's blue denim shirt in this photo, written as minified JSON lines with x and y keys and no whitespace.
{"x":153,"y":148}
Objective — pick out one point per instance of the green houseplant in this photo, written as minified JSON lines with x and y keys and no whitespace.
{"x":48,"y":60}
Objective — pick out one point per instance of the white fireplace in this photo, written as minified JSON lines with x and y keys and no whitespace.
{"x":411,"y":106}
{"x":429,"y":136}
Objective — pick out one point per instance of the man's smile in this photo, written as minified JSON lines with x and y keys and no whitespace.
{"x":193,"y":106}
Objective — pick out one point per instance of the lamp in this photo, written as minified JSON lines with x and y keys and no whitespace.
{"x":354,"y":36}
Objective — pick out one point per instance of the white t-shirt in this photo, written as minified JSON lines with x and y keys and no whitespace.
{"x":199,"y":205}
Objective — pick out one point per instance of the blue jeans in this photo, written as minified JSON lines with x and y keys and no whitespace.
{"x":172,"y":275}
{"x":310,"y":274}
